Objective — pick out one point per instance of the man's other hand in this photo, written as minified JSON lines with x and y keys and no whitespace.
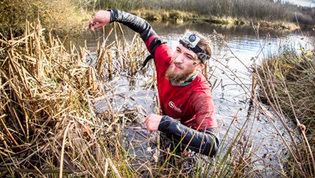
{"x":152,"y":122}
{"x":100,"y":19}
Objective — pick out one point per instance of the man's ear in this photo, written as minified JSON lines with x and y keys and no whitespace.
{"x":201,"y":66}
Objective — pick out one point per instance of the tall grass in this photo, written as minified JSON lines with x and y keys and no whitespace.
{"x":59,"y":16}
{"x":48,"y":123}
{"x":49,"y":126}
{"x":286,"y":83}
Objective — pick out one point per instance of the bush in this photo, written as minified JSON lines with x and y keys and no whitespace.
{"x":60,"y":16}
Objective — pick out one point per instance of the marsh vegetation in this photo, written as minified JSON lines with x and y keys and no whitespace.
{"x":59,"y":114}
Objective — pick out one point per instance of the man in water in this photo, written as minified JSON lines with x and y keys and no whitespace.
{"x":187,"y":116}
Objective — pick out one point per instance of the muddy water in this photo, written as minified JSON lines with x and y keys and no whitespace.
{"x":235,"y":52}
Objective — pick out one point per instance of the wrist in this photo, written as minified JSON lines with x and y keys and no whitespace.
{"x":114,"y":14}
{"x":164,"y":123}
{"x":111,"y":11}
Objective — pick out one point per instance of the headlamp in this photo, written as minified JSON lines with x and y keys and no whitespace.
{"x":190,"y":41}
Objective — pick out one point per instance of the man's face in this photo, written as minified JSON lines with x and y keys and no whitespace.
{"x":184,"y":63}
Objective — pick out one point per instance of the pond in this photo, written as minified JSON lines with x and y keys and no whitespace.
{"x":235,"y":51}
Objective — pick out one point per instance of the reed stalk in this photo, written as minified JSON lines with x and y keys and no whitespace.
{"x":286,"y":84}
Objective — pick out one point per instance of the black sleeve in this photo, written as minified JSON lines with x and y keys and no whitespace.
{"x":134,"y":22}
{"x":138,"y":25}
{"x":204,"y":142}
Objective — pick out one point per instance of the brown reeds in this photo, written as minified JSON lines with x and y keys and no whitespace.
{"x":63,"y":17}
{"x":47,"y":120}
{"x":48,"y":124}
{"x":120,"y":58}
{"x":286,"y":82}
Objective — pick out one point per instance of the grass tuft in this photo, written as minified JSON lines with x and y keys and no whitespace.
{"x":287,"y":83}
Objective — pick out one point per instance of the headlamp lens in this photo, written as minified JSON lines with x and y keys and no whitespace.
{"x":192,"y":38}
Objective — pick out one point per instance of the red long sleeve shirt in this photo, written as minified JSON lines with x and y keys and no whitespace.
{"x":191,"y":104}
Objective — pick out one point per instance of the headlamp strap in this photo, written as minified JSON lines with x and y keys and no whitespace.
{"x":200,"y":52}
{"x":196,"y":49}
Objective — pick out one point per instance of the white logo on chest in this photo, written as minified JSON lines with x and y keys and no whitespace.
{"x":172,"y":105}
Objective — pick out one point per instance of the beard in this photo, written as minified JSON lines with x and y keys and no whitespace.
{"x":177,"y":74}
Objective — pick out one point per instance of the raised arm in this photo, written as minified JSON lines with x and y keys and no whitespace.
{"x":135,"y":23}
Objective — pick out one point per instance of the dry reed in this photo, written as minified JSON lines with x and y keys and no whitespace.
{"x":63,"y":17}
{"x":286,"y":82}
{"x":48,"y":123}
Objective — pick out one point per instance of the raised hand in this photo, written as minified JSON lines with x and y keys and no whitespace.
{"x":100,"y":19}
